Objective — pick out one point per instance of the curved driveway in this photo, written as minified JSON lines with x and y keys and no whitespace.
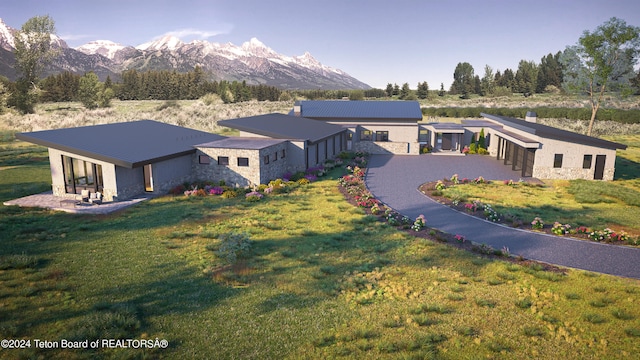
{"x":394,"y":180}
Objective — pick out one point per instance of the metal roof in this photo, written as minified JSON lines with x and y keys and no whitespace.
{"x":337,"y":110}
{"x":281,"y":126}
{"x":249,"y":143}
{"x":549,"y":132}
{"x":128,"y":144}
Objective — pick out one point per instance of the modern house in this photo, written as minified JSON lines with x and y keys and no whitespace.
{"x":536,"y":150}
{"x":545,"y":152}
{"x":310,"y":142}
{"x":122,"y":160}
{"x":376,"y":127}
{"x":119,"y":160}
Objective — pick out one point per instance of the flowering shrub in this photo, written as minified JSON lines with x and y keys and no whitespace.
{"x":303,"y":181}
{"x":213,"y":190}
{"x":465,"y":150}
{"x":465,"y":181}
{"x":392,"y":218}
{"x":311,"y":177}
{"x":440,"y":185}
{"x":253,"y":196}
{"x":472,"y":207}
{"x":375,"y":209}
{"x":582,"y":230}
{"x":509,"y":182}
{"x":490,"y":213}
{"x":479,"y":180}
{"x":459,"y":238}
{"x":454,"y":179}
{"x":537,"y":223}
{"x":419,"y":223}
{"x":560,"y":229}
{"x":608,"y":235}
{"x":600,"y":235}
{"x":228,"y":194}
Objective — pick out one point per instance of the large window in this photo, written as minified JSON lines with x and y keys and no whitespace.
{"x":81,"y":175}
{"x":223,"y":160}
{"x":557,"y":161}
{"x":243,"y":161}
{"x":382,"y":136}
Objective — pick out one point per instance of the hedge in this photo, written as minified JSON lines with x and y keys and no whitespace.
{"x":618,"y":115}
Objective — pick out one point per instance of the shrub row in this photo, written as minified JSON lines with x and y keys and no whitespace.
{"x":618,"y":115}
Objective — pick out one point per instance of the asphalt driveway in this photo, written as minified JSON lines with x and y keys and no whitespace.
{"x":394,"y":180}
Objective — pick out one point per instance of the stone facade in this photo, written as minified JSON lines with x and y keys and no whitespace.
{"x":387,"y":147}
{"x":262,"y":165}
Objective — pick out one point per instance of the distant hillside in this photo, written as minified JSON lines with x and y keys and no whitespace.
{"x":252,"y":62}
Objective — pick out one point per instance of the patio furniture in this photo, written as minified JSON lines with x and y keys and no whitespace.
{"x":95,"y":198}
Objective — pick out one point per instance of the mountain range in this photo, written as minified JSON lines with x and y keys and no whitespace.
{"x":253,"y":61}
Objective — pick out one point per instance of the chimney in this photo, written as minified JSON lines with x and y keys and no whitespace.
{"x":297,"y":109}
{"x":531,"y":117}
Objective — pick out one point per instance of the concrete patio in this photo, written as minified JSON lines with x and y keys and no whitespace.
{"x":46,"y":200}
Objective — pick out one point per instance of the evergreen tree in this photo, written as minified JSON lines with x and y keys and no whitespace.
{"x":423,"y":90}
{"x":487,"y":84}
{"x":442,"y":92}
{"x":526,"y":77}
{"x":396,"y":90}
{"x":389,"y":90}
{"x":549,"y":72}
{"x":405,"y":91}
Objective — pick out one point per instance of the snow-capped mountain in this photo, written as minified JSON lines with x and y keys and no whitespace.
{"x":253,"y":61}
{"x":105,"y":48}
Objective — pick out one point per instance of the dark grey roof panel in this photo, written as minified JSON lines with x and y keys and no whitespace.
{"x":342,"y":109}
{"x":281,"y":126}
{"x":549,"y":132}
{"x":249,"y":143}
{"x":128,"y":144}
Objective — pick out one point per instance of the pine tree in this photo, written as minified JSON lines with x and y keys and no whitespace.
{"x":389,"y":90}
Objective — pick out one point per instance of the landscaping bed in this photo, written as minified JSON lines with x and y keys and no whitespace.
{"x":440,"y":191}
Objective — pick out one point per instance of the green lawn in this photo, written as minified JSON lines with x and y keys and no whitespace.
{"x":593,"y":204}
{"x":321,"y":280}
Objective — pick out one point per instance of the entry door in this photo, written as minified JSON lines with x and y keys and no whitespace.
{"x":599,"y":171}
{"x":447,"y":139}
{"x":148,"y":178}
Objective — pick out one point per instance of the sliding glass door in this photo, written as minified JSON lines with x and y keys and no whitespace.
{"x":81,"y":175}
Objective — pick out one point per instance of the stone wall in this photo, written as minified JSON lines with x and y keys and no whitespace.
{"x":258,"y":171}
{"x":387,"y":147}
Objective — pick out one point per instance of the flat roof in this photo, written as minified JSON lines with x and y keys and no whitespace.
{"x":361,"y":109}
{"x":550,"y":132}
{"x":249,"y":143}
{"x":128,"y":144}
{"x":281,"y":126}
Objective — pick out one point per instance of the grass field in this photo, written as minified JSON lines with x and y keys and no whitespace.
{"x":577,"y":202}
{"x":321,"y":279}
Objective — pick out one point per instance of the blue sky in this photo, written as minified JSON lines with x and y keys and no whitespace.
{"x":378,"y":42}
